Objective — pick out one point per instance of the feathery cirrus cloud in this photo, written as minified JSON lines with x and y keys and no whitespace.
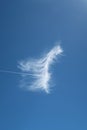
{"x":38,"y":70}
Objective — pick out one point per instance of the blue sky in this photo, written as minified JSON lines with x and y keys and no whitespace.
{"x":29,"y":29}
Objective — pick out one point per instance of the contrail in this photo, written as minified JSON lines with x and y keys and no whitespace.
{"x":14,"y":72}
{"x":36,"y":73}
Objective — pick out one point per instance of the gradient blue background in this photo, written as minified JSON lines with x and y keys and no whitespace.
{"x":29,"y":28}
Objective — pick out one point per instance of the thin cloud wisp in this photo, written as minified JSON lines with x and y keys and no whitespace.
{"x":39,"y":70}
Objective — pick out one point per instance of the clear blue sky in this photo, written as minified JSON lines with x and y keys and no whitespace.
{"x":27,"y":29}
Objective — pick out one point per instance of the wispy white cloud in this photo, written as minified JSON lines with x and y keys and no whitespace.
{"x":39,"y":70}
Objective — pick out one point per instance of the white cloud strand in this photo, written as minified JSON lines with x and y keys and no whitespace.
{"x":39,"y":69}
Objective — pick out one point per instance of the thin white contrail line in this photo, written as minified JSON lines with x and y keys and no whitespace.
{"x":13,"y":72}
